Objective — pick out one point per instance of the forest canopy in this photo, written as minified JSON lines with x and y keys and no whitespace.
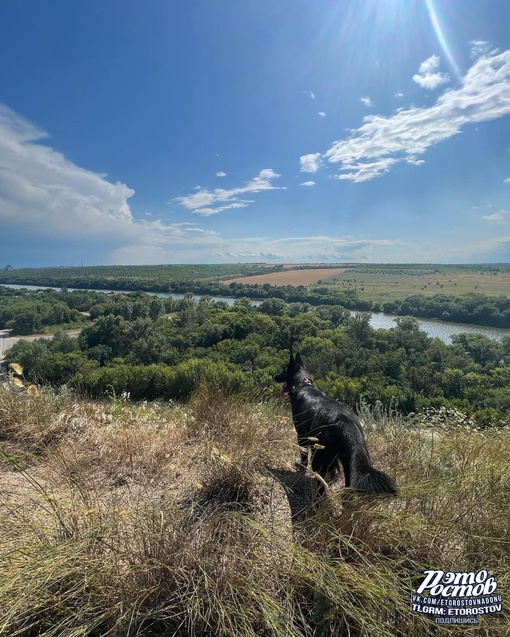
{"x":148,"y":347}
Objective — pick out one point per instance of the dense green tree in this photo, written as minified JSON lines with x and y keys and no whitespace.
{"x":481,"y":349}
{"x":358,"y":328}
{"x":273,"y":307}
{"x":33,"y":356}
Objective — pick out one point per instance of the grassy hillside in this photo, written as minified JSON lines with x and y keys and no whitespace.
{"x":162,"y":519}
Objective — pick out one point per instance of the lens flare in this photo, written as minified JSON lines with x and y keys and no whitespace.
{"x":442,"y":39}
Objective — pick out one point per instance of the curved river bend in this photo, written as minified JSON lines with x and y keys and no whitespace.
{"x":434,"y":328}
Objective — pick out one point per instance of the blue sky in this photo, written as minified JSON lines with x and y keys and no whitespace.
{"x":191,"y":131}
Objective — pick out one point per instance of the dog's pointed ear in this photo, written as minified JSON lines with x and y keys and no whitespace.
{"x":299,"y":360}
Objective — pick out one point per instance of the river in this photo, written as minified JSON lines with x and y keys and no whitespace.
{"x":434,"y":328}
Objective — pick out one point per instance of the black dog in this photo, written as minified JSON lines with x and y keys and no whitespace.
{"x":333,"y":431}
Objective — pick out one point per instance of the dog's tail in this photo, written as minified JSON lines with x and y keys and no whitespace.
{"x":372,"y":480}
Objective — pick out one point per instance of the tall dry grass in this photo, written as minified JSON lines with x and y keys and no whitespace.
{"x":183,"y":520}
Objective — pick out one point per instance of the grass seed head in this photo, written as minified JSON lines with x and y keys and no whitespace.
{"x":16,"y":368}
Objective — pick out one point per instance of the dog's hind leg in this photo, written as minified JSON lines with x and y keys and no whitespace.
{"x":346,"y":465}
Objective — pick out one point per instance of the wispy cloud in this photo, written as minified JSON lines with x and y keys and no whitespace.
{"x":479,"y":48}
{"x":221,"y":174}
{"x":308,"y":183}
{"x":260,"y":248}
{"x":260,"y":256}
{"x":381,"y":142}
{"x":322,"y":114}
{"x":211,"y":202}
{"x":311,"y":163}
{"x":496,"y":217}
{"x":366,"y":101}
{"x":507,"y":180}
{"x":311,"y":248}
{"x":399,"y":95}
{"x":428,"y":77}
{"x":310,"y":94}
{"x":334,"y":249}
{"x":367,"y":170}
{"x":209,"y":247}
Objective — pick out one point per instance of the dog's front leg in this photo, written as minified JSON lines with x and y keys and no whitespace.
{"x":304,"y":444}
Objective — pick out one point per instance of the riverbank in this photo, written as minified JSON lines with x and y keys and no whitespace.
{"x":434,"y":328}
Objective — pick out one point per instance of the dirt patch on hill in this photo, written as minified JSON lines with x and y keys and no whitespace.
{"x":290,"y":277}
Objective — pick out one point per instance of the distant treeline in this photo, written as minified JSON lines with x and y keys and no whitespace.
{"x":134,"y":276}
{"x":424,"y":269}
{"x":466,"y":308}
{"x":154,"y":348}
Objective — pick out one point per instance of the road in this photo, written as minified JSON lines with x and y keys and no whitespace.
{"x":7,"y":341}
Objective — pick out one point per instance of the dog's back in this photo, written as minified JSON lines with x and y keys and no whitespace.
{"x":333,"y":430}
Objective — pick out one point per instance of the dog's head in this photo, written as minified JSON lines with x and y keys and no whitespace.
{"x":292,"y":374}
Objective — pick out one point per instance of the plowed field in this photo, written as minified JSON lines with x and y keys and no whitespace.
{"x":289,"y":277}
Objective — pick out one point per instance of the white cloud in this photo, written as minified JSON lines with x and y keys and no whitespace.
{"x":427,"y":76}
{"x":205,"y":202}
{"x":308,"y":183}
{"x":497,"y":217}
{"x":429,"y":65}
{"x":322,"y":114}
{"x":479,"y":48}
{"x":310,"y":94}
{"x":367,"y":102}
{"x":310,"y":163}
{"x":507,"y":180}
{"x":431,"y":81}
{"x":381,"y":142}
{"x":41,"y":189}
{"x":399,"y":95}
{"x":221,"y":174}
{"x":367,"y":170}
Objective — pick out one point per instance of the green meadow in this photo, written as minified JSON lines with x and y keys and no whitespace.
{"x":394,"y":283}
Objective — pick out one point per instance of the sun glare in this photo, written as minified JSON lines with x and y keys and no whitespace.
{"x":441,"y":38}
